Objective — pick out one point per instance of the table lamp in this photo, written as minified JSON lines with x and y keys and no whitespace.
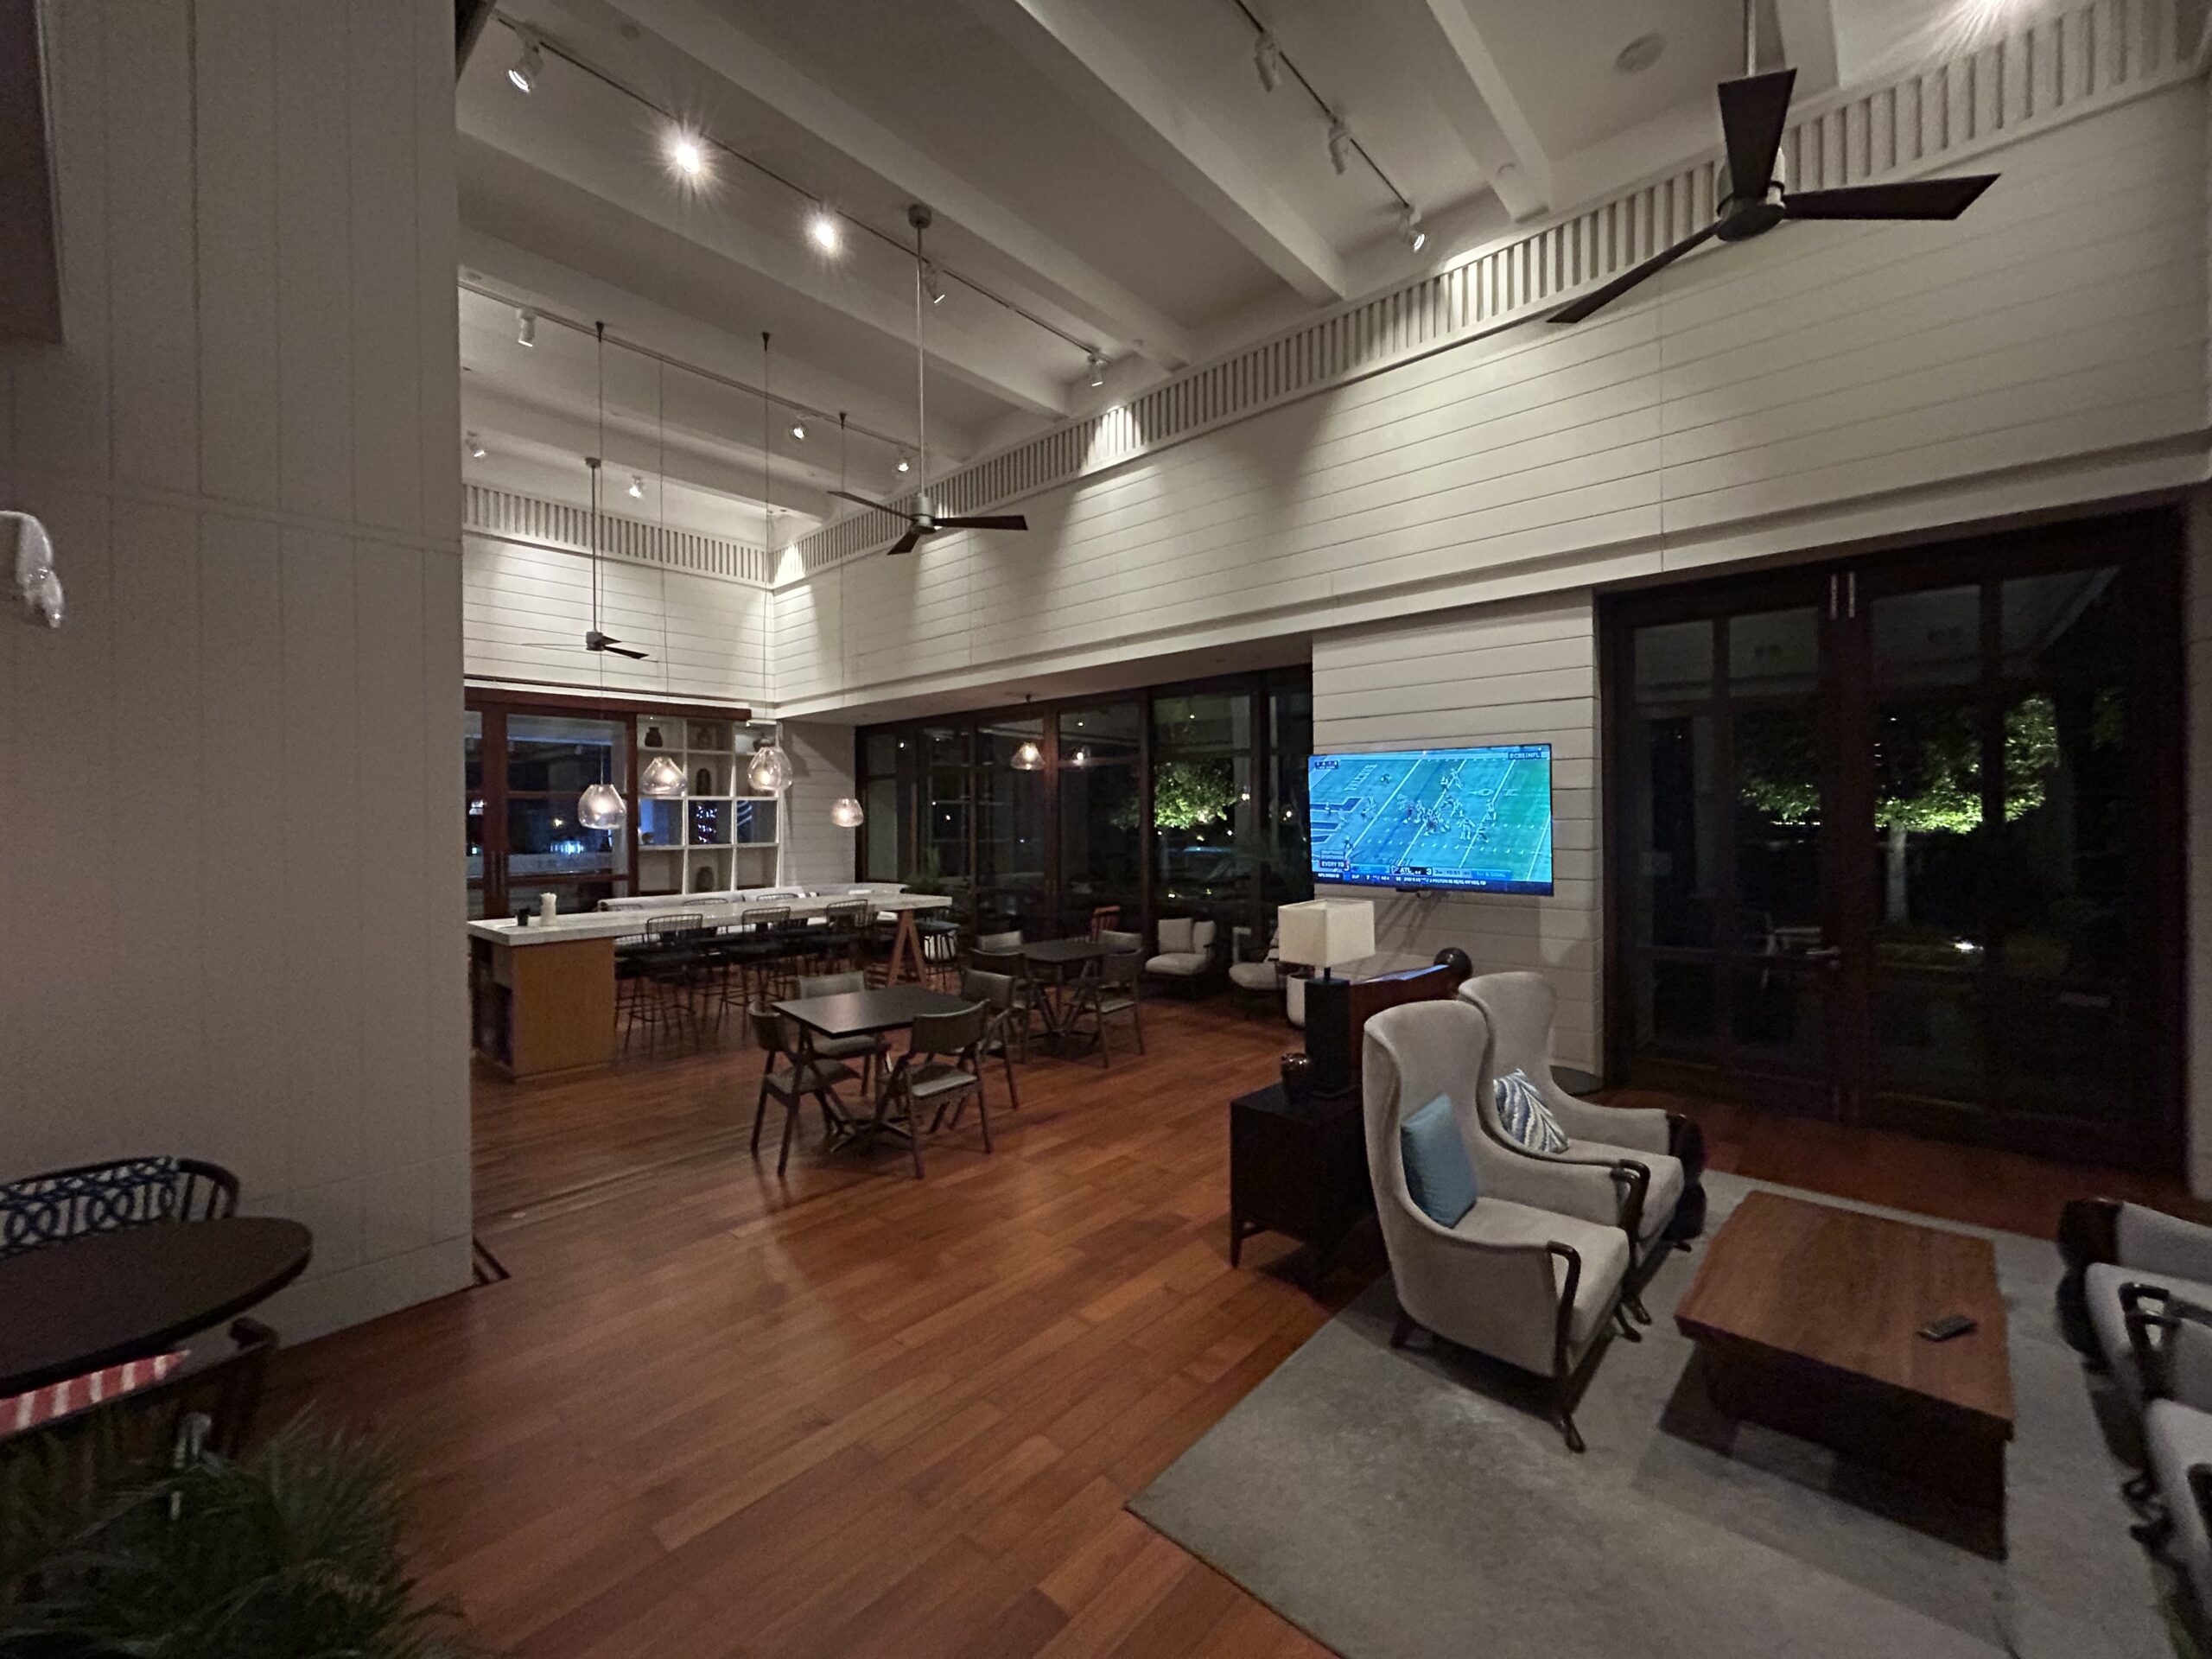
{"x":1326,"y":933}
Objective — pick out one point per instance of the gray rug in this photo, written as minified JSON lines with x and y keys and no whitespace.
{"x":1416,"y":1504}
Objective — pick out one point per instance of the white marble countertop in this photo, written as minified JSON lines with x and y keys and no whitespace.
{"x":717,"y":908}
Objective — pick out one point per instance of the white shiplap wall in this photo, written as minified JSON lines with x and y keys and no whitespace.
{"x":815,"y":849}
{"x":525,"y":608}
{"x":1522,"y":672}
{"x":229,"y":892}
{"x":1817,"y":385}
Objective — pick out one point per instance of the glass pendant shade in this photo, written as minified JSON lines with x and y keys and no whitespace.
{"x":601,"y":807}
{"x":770,"y":772}
{"x":662,"y":780}
{"x":1029,"y":758}
{"x":845,"y":813}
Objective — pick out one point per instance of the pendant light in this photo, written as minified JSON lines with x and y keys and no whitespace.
{"x":1027,"y":757}
{"x":663,"y":779}
{"x":847,"y":813}
{"x":600,"y":806}
{"x":769,"y":772}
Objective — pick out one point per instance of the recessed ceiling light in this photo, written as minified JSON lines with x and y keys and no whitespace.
{"x":525,"y":327}
{"x":822,"y":227}
{"x":688,"y":154}
{"x":1639,"y":54}
{"x":527,"y":66}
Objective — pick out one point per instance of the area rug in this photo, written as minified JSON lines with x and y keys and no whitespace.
{"x":1417,"y":1503}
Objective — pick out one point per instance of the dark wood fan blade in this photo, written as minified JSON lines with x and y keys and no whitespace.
{"x":880,"y":506}
{"x":1915,"y":199}
{"x":1575,"y":310}
{"x":622,"y":651}
{"x":905,"y":544}
{"x":1753,"y":111}
{"x":985,"y":521}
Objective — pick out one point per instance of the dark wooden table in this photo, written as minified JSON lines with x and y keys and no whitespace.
{"x":1300,"y":1170}
{"x":864,"y":1014}
{"x":1808,"y":1315}
{"x":100,"y":1298}
{"x":1058,"y":956}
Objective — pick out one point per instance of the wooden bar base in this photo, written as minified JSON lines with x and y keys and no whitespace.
{"x":545,"y":1006}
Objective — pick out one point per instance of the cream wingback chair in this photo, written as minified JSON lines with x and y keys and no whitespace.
{"x":1653,"y":1158}
{"x":1532,"y":1274}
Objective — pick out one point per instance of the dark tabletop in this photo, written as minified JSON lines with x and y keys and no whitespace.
{"x":1062,"y":951}
{"x":857,"y":1014}
{"x":100,"y":1298}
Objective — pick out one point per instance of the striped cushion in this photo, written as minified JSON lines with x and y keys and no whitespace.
{"x":1525,"y":1117}
{"x":21,"y":1411}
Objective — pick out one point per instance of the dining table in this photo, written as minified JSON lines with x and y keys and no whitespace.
{"x":1065,"y":962}
{"x":102,"y":1298}
{"x":874,"y":1011}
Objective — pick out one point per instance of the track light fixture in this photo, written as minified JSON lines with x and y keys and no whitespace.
{"x":1339,"y":143}
{"x":688,"y":155}
{"x":1267,"y":58}
{"x":525,"y":327}
{"x":1097,"y":370}
{"x":475,"y":447}
{"x":1409,"y":228}
{"x":529,"y":65}
{"x":798,"y":430}
{"x":637,"y":486}
{"x":906,"y":465}
{"x":931,"y":285}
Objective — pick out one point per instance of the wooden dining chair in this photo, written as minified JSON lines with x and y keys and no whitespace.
{"x":1114,"y":992}
{"x":942,"y":1066}
{"x":790,"y":1080}
{"x":866,"y":1047}
{"x":996,"y":992}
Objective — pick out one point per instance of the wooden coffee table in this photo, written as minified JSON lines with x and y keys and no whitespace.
{"x":1808,"y":1316}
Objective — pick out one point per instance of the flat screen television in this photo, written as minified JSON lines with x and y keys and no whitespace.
{"x":1472,"y":820}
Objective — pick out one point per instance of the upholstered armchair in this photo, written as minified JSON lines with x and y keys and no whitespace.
{"x":2131,"y":1272}
{"x":1185,"y":961}
{"x":1533,"y":1273}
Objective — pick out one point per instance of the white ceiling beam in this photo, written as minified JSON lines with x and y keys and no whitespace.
{"x":1524,"y":182}
{"x":1086,"y":58}
{"x":747,"y":64}
{"x":567,"y":151}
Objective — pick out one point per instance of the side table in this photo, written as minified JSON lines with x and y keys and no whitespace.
{"x":1298,"y":1170}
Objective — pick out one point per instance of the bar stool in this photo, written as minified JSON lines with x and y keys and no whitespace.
{"x":846,"y":928}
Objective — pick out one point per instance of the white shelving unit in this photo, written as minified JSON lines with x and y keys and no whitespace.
{"x":718,"y":836}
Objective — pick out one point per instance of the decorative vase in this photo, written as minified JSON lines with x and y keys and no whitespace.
{"x":704,"y":783}
{"x":652,"y":737}
{"x":1297,"y":1078}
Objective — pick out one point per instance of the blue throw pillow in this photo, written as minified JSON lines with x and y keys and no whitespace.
{"x":1438,"y":1174}
{"x":1521,"y":1112}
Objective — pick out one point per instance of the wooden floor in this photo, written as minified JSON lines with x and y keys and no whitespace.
{"x":714,"y":1413}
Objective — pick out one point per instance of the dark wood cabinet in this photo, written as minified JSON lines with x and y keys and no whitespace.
{"x":1300,"y":1170}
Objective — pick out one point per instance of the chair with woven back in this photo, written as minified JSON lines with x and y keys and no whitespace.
{"x":60,"y":1204}
{"x":942,"y":1066}
{"x":790,"y":1079}
{"x":847,"y":925}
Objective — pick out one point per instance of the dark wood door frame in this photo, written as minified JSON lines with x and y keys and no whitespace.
{"x":2147,"y":545}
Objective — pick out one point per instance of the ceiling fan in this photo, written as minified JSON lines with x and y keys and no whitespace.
{"x":1753,"y":111}
{"x":593,"y":639}
{"x":924,"y":522}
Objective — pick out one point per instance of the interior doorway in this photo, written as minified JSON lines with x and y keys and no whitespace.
{"x":1898,"y":841}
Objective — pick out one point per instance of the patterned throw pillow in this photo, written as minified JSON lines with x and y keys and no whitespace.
{"x":1525,"y":1117}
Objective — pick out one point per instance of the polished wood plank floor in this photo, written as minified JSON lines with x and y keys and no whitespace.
{"x":713,"y":1414}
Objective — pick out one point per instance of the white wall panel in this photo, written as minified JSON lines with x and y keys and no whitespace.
{"x":815,"y":849}
{"x":234,"y":935}
{"x":1522,"y":672}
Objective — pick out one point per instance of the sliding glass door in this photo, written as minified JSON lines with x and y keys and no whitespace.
{"x":1897,"y":842}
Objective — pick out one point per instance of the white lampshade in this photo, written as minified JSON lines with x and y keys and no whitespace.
{"x":845,"y":813}
{"x":663,"y":779}
{"x":1325,"y":932}
{"x":601,"y":807}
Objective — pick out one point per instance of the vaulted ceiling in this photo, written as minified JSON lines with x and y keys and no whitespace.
{"x":1107,"y":177}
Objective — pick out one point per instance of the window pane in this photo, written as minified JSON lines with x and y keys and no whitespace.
{"x":1928,"y":638}
{"x":1674,"y":662}
{"x":1678,"y":830}
{"x":2059,"y":889}
{"x":1773,"y":653}
{"x":560,"y":755}
{"x":2073,"y":623}
{"x":1202,"y":722}
{"x":1099,"y":735}
{"x":1927,"y":807}
{"x":1287,"y":870}
{"x":1100,"y":846}
{"x":1199,"y":809}
{"x":1777,"y":830}
{"x":543,"y":838}
{"x":881,"y":802}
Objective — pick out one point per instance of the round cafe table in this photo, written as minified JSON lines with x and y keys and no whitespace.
{"x":100,"y":1298}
